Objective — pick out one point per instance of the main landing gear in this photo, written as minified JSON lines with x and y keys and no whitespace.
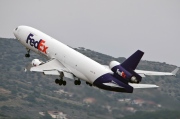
{"x":61,"y":81}
{"x":77,"y":82}
{"x":27,"y":55}
{"x":88,"y":83}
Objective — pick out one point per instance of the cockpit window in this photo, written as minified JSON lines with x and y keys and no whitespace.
{"x":16,"y":28}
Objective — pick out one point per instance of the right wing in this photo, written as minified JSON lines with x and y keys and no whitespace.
{"x":144,"y":73}
{"x":51,"y":67}
{"x":154,"y":73}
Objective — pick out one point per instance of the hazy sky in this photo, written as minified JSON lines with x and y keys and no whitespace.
{"x":114,"y":27}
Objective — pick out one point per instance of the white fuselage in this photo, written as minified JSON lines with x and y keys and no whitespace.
{"x":80,"y":65}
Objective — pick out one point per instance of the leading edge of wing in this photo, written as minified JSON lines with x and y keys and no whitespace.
{"x":143,"y":85}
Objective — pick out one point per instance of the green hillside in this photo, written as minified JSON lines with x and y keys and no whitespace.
{"x":163,"y":114}
{"x":24,"y":95}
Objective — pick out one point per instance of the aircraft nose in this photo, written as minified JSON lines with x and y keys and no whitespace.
{"x":15,"y":32}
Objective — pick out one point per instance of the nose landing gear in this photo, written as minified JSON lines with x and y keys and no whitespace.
{"x":27,"y":55}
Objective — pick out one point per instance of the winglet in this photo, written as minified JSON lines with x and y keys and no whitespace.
{"x":174,"y":72}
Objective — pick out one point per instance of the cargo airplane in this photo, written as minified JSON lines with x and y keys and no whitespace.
{"x":64,"y":61}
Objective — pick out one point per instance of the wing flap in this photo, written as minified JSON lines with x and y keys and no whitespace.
{"x":51,"y":72}
{"x":55,"y":72}
{"x":68,"y":75}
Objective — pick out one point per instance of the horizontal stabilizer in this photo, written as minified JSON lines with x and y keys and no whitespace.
{"x":143,"y":85}
{"x":112,"y":85}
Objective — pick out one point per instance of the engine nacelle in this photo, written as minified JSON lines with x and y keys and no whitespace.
{"x":36,"y":62}
{"x":134,"y":80}
{"x":119,"y":70}
{"x":113,"y":64}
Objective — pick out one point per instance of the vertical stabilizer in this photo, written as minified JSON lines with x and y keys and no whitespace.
{"x":133,"y":60}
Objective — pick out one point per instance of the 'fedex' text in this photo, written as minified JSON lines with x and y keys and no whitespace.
{"x":37,"y":44}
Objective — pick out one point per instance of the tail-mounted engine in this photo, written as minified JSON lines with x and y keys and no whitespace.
{"x":127,"y":74}
{"x":36,"y":62}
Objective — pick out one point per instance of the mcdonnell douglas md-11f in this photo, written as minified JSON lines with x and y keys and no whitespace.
{"x":64,"y":61}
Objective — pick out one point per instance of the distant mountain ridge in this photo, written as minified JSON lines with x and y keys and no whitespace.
{"x":27,"y":94}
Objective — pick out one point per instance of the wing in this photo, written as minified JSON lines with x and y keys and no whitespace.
{"x":51,"y":67}
{"x":144,"y":73}
{"x":154,"y":73}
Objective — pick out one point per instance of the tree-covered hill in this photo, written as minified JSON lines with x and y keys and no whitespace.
{"x":24,"y":95}
{"x":163,"y":114}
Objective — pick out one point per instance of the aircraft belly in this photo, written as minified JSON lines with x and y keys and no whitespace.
{"x":92,"y":70}
{"x":78,"y":74}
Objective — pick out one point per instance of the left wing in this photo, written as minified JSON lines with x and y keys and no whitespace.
{"x":154,"y":73}
{"x":51,"y":67}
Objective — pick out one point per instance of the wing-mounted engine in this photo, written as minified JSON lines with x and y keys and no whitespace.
{"x":121,"y":72}
{"x":36,"y":62}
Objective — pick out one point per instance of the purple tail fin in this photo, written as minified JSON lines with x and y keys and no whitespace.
{"x":132,"y":62}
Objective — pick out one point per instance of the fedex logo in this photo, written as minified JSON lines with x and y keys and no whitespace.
{"x":36,"y":44}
